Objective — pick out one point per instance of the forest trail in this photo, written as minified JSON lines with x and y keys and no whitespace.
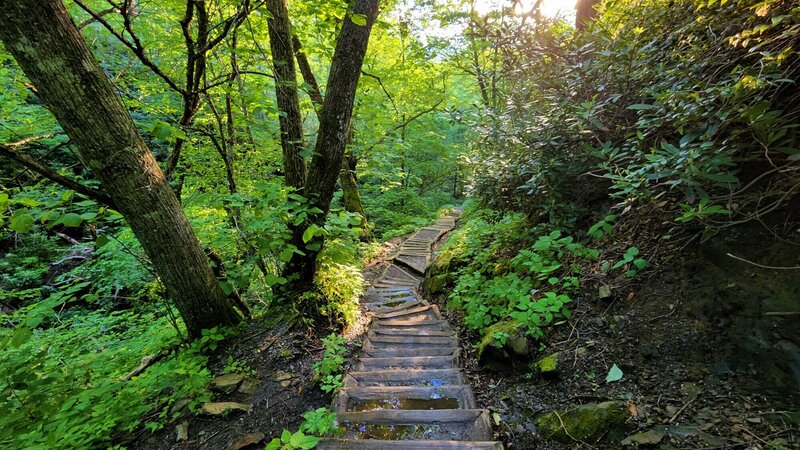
{"x":407,"y":389}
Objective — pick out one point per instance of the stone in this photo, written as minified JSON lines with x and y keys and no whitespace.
{"x":179,"y":405}
{"x":650,"y":437}
{"x":495,"y":354}
{"x":581,"y":352}
{"x":548,"y":367}
{"x":227,"y":383}
{"x":249,"y":386}
{"x":222,"y":408}
{"x":249,"y":440}
{"x":182,"y":431}
{"x":586,"y":422}
{"x":604,"y":292}
{"x":286,"y":379}
{"x":282,"y":376}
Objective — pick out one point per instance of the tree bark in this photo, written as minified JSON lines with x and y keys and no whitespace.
{"x":291,"y":121}
{"x":585,"y":13}
{"x":345,"y":71}
{"x":50,"y":50}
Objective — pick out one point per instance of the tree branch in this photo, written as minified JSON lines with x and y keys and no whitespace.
{"x":52,"y":175}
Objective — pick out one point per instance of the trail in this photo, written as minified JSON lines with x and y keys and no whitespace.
{"x":407,"y":389}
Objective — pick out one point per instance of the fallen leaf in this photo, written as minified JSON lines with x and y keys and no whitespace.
{"x":614,"y":374}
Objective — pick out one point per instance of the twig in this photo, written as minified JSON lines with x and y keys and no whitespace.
{"x":682,"y":408}
{"x":761,"y":265}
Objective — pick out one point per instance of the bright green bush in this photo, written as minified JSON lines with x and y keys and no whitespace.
{"x":63,"y":375}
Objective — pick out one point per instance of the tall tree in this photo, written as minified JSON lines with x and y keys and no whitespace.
{"x":334,"y":117}
{"x":280,"y":41}
{"x":50,"y":50}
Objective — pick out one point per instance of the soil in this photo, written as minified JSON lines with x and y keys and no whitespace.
{"x":266,"y":349}
{"x":708,"y":346}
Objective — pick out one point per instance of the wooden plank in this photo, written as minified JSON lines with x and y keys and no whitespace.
{"x":373,"y":444}
{"x":412,"y":362}
{"x":406,"y":377}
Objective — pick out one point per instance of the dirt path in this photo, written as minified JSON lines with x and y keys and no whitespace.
{"x":407,"y":389}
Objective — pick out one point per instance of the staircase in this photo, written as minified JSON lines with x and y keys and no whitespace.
{"x":407,"y":390}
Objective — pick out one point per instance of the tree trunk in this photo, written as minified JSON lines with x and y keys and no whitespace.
{"x":332,"y":137}
{"x":585,"y":13}
{"x":280,"y":42}
{"x":50,"y":50}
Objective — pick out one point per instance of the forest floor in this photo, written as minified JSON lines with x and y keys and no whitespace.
{"x":707,"y":344}
{"x":279,"y":359}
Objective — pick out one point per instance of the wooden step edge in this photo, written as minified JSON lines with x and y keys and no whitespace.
{"x":409,"y":339}
{"x":408,"y":362}
{"x":344,"y":397}
{"x":373,"y":444}
{"x":415,"y":310}
{"x":453,"y":376}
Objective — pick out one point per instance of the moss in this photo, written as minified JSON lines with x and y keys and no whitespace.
{"x":505,"y":328}
{"x":586,"y":422}
{"x":548,"y":364}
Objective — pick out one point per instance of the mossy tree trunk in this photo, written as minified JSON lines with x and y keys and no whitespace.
{"x":41,"y":36}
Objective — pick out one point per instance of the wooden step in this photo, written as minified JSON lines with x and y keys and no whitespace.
{"x":411,"y":339}
{"x":437,"y":424}
{"x":374,"y":444}
{"x":411,"y":331}
{"x":412,"y":302}
{"x":405,"y":377}
{"x":406,"y":312}
{"x":380,"y":350}
{"x":421,"y":323}
{"x":403,"y":397}
{"x":408,"y":362}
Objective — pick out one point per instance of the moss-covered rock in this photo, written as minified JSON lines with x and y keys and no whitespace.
{"x":439,"y":276}
{"x":503,"y":342}
{"x":549,"y":366}
{"x":586,"y":422}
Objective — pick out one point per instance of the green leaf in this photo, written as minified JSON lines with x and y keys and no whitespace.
{"x":640,"y":106}
{"x":302,"y":441}
{"x":359,"y":19}
{"x":21,"y":335}
{"x":614,"y":374}
{"x":285,"y":436}
{"x":70,"y":220}
{"x":308,"y":234}
{"x":101,"y":241}
{"x":274,"y":444}
{"x":21,"y":222}
{"x":639,"y":263}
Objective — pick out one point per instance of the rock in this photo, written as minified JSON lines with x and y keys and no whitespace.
{"x":439,"y":276}
{"x":179,"y":405}
{"x":651,"y":437}
{"x":286,"y":379}
{"x":587,"y":422}
{"x":497,"y":355}
{"x":581,"y":352}
{"x":227,"y":383}
{"x":548,"y":367}
{"x":604,"y":292}
{"x":222,"y":408}
{"x":249,"y":386}
{"x":247,"y":441}
{"x":182,"y":431}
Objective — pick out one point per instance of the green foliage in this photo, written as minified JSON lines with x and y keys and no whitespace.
{"x":233,"y":366}
{"x":316,"y":423}
{"x":64,"y":374}
{"x":27,"y":265}
{"x":689,"y":99}
{"x":328,"y":369}
{"x":531,"y":289}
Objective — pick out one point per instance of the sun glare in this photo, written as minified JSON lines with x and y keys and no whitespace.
{"x":549,"y":8}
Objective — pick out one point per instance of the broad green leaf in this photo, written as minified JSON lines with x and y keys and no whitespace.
{"x":640,"y":106}
{"x":359,"y":19}
{"x":614,"y":374}
{"x":21,"y":222}
{"x":70,"y":220}
{"x":101,"y":241}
